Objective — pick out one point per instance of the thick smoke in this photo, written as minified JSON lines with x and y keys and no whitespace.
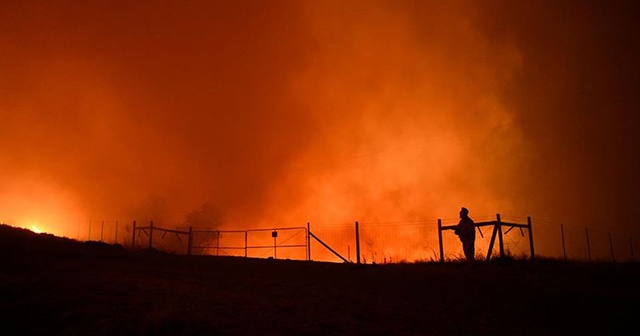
{"x":286,"y":112}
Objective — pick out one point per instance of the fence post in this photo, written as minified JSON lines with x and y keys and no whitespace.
{"x":500,"y":242}
{"x":588,"y":244}
{"x":274,"y":234}
{"x":133,"y":238}
{"x":190,"y":241}
{"x":151,"y":234}
{"x":531,"y":238}
{"x":613,"y":258}
{"x":308,"y":243}
{"x":440,"y":240}
{"x":564,"y":248}
{"x":357,"y":243}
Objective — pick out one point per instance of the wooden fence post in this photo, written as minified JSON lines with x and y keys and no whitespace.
{"x":613,"y":258}
{"x":588,"y":244}
{"x":491,"y":242}
{"x":308,"y":243}
{"x":440,"y":240}
{"x":500,"y":242}
{"x":357,"y":243}
{"x":531,"y":238}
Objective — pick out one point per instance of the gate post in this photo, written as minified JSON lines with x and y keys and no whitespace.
{"x":531,"y":238}
{"x":308,"y":243}
{"x":440,"y":240}
{"x":500,"y":242}
{"x":357,"y":243}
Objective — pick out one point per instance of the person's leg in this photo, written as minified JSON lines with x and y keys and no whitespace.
{"x":472,"y":249}
{"x":468,"y":248}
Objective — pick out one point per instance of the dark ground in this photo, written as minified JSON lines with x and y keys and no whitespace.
{"x":57,"y":286}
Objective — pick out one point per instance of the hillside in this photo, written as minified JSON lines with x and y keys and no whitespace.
{"x":57,"y":286}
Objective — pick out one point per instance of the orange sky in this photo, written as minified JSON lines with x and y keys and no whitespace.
{"x":285,"y":112}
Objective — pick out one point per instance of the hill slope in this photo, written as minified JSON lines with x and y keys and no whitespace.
{"x":57,"y":286}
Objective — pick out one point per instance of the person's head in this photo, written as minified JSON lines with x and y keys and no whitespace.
{"x":464,"y":212}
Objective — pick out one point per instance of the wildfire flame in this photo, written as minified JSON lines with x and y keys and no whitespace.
{"x":35,"y":229}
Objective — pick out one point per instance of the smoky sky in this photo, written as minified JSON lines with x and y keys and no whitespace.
{"x":284,"y":112}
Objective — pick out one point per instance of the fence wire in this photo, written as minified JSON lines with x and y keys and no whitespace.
{"x":379,"y":242}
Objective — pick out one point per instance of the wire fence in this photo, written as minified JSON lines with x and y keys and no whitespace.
{"x":373,"y":242}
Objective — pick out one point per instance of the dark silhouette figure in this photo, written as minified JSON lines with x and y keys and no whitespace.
{"x":466,"y":231}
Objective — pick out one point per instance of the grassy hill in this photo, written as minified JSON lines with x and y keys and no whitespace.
{"x":57,"y":286}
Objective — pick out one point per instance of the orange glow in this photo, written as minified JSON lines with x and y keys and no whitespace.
{"x":35,"y":229}
{"x":40,"y":207}
{"x":286,"y":112}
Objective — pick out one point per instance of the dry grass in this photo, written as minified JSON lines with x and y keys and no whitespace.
{"x":55,"y":286}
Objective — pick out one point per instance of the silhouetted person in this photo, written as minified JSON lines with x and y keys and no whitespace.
{"x":466,"y":231}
